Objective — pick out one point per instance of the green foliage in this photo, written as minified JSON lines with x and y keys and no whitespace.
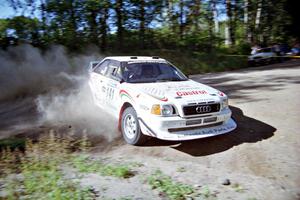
{"x":205,"y":192}
{"x":165,"y":184}
{"x":86,"y":165}
{"x":198,"y":62}
{"x":238,"y":188}
{"x":3,"y":27}
{"x":44,"y":180}
{"x":36,"y":172}
{"x":133,"y":27}
{"x":12,"y":143}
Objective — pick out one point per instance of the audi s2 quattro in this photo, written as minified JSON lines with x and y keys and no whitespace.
{"x":151,"y":97}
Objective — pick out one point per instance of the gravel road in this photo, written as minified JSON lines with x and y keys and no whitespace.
{"x":262,"y":155}
{"x":261,"y":158}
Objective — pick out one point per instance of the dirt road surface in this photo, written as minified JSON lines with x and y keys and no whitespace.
{"x":261,"y":158}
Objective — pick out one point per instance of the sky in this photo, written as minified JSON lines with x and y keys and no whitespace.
{"x":5,"y":10}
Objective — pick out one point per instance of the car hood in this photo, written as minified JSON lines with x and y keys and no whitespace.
{"x":182,"y":92}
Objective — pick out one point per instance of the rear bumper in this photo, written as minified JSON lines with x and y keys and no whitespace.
{"x":176,"y":128}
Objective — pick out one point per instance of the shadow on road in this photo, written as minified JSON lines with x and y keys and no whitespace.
{"x":242,"y":86}
{"x":249,"y":130}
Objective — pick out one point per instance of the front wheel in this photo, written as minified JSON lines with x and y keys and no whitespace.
{"x":130,"y":127}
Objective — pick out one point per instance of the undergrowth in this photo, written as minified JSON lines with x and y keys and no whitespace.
{"x":35,"y":171}
{"x":86,"y":165}
{"x":173,"y":190}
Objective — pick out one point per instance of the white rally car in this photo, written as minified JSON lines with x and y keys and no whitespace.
{"x":149,"y":96}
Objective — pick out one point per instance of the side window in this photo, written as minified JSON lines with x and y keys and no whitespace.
{"x":114,"y":70}
{"x":102,"y":67}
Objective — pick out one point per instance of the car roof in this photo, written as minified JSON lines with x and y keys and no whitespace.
{"x":135,"y":58}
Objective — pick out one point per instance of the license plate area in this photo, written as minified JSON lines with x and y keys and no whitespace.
{"x":210,"y":119}
{"x":193,"y":122}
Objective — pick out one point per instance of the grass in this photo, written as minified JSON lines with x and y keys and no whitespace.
{"x":181,"y":169}
{"x":206,"y":193}
{"x":173,"y":190}
{"x":238,"y":188}
{"x":36,"y":171}
{"x":44,"y":180}
{"x":86,"y":165}
{"x":176,"y":190}
{"x":12,"y":143}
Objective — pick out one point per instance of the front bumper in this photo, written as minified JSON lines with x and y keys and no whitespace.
{"x":177,"y":128}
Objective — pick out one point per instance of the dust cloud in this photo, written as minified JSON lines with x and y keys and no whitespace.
{"x":59,"y":84}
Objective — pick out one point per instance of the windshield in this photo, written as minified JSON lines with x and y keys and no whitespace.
{"x":147,"y":72}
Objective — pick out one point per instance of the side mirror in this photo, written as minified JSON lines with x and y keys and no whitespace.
{"x":119,"y":79}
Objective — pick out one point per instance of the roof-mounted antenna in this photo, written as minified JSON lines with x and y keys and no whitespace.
{"x":133,"y":57}
{"x":155,"y":57}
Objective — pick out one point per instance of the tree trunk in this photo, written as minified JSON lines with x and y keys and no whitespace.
{"x":181,"y":23}
{"x":210,"y":25}
{"x":230,"y":23}
{"x":258,"y":14}
{"x":196,"y":14}
{"x":104,"y":28}
{"x":170,"y":13}
{"x":73,"y":19}
{"x":215,"y":16}
{"x":234,"y":21}
{"x":142,"y":23}
{"x":228,"y":28}
{"x":119,"y":12}
{"x":93,"y":26}
{"x":247,"y":31}
{"x":44,"y":24}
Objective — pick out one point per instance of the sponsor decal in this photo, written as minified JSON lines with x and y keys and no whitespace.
{"x":193,"y":92}
{"x":124,"y":93}
{"x":143,"y":107}
{"x":156,"y":93}
{"x":111,"y":84}
{"x":221,"y":94}
{"x":159,"y":98}
{"x":147,"y":61}
{"x":216,"y":130}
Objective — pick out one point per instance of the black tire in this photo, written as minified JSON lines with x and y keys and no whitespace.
{"x":130,"y":128}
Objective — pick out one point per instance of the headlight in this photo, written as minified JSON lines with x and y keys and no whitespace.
{"x":167,"y":110}
{"x":224,"y":103}
{"x":164,"y":110}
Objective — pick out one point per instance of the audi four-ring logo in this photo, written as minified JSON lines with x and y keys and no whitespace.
{"x":202,"y":109}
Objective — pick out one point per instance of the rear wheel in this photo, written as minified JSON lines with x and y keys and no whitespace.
{"x":130,"y":127}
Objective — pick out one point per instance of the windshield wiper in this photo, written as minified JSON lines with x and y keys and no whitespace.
{"x":142,"y":81}
{"x":169,"y":79}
